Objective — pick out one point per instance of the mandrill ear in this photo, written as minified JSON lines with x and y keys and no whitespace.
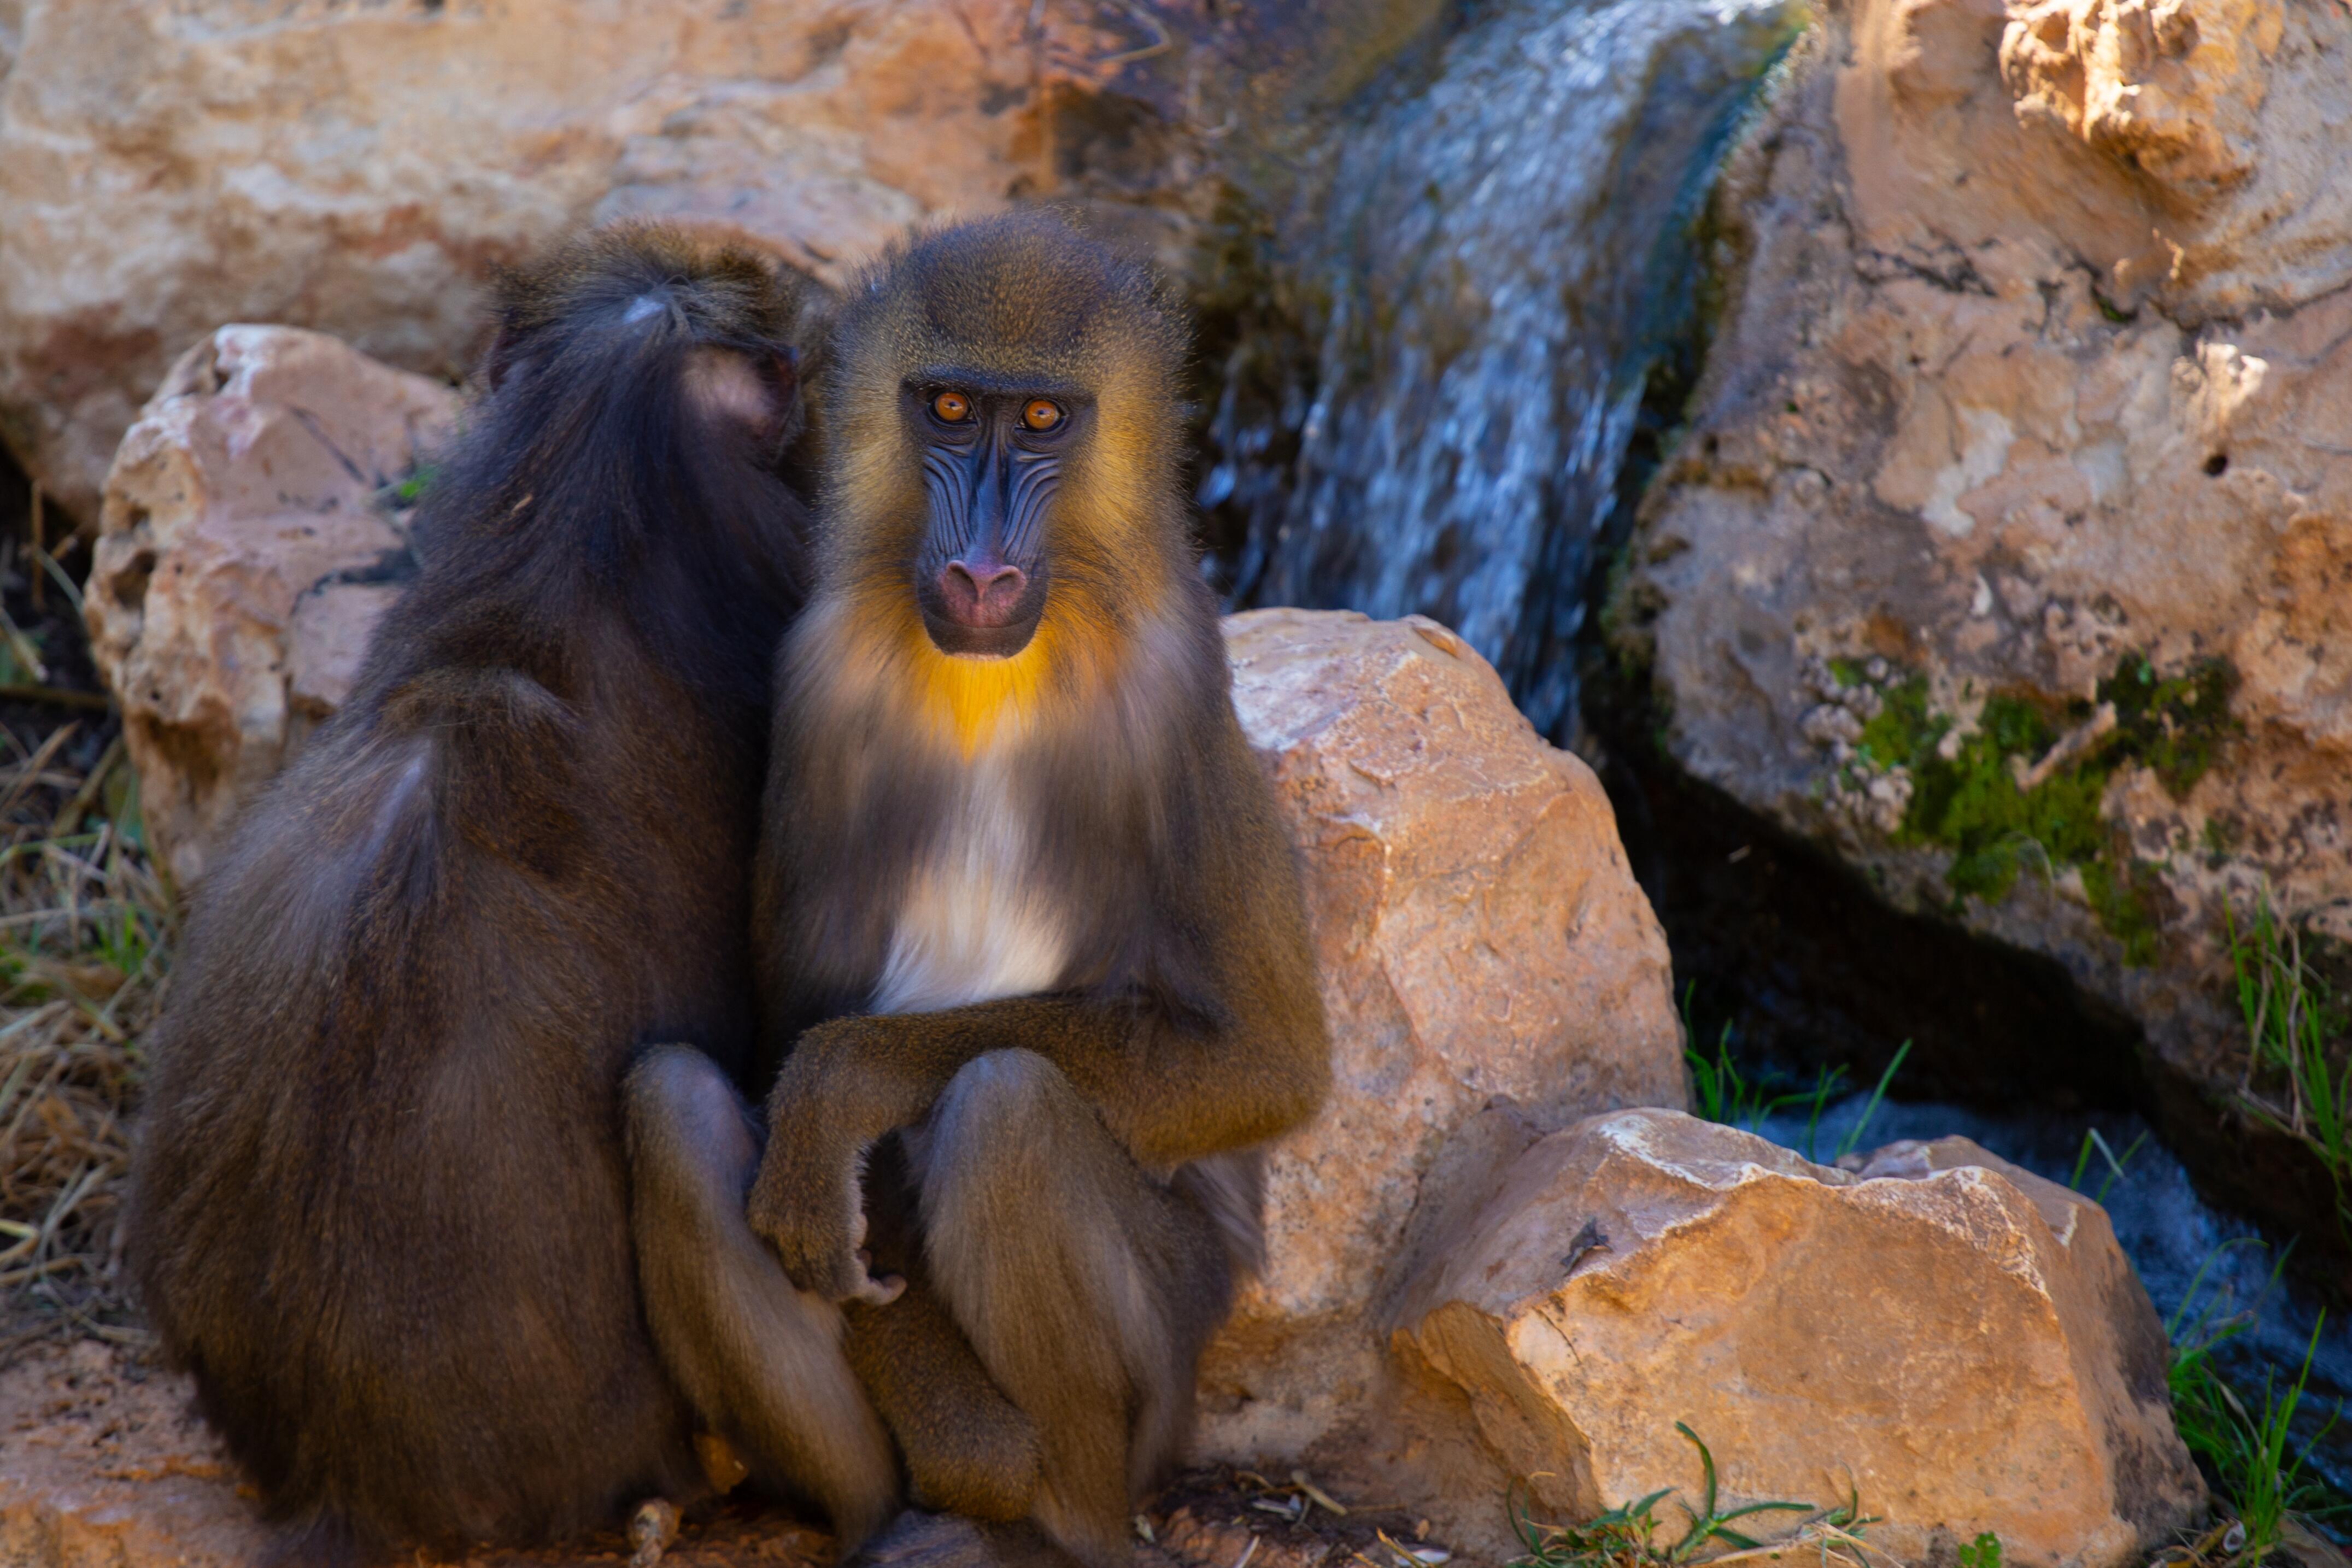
{"x":756,"y":393}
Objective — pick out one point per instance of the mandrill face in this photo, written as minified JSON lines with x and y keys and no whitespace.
{"x":993,"y":452}
{"x":1004,"y":539}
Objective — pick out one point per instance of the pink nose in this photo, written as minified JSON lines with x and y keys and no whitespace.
{"x":983,"y":596}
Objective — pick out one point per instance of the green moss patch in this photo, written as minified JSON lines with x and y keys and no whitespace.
{"x":1970,"y":804}
{"x":1904,"y":728}
{"x":2175,"y":726}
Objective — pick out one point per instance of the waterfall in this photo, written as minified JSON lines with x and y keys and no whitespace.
{"x":1499,"y":252}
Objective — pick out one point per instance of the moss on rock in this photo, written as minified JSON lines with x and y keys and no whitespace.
{"x":1982,"y":798}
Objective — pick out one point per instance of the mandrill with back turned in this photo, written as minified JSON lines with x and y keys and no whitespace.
{"x":1025,"y":919}
{"x":439,"y":1194}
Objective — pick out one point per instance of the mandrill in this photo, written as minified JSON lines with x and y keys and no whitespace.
{"x":439,"y":1192}
{"x":1024,"y":916}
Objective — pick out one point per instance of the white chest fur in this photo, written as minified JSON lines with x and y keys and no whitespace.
{"x":975,"y":924}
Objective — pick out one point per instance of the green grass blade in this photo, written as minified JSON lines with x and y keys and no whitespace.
{"x":1854,"y":1135}
{"x":1705,"y":1462}
{"x":2082,"y":1160}
{"x":2116,"y":1163}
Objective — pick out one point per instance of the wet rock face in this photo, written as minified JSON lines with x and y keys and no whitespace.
{"x":165,"y":167}
{"x":1957,"y":1342}
{"x":2006,"y":553}
{"x":1480,"y":935}
{"x":253,"y":531}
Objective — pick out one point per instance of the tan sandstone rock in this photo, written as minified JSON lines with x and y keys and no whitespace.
{"x":1957,"y":1342}
{"x":247,"y":546}
{"x":167,"y":165}
{"x":2035,"y":389}
{"x":1481,"y":937}
{"x":2220,"y":111}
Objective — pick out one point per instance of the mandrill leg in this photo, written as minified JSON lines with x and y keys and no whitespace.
{"x":969,"y":1449}
{"x":1086,"y":1287}
{"x":761,"y":1363}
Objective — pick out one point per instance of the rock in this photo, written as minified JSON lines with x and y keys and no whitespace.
{"x":247,"y":545}
{"x":107,"y":1464}
{"x":2220,"y":114}
{"x":2004,"y":556}
{"x":1481,"y":937}
{"x":167,"y":165}
{"x":1958,"y":1343}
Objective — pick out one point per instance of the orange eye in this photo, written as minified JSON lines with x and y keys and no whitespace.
{"x":952,"y":407}
{"x":1043,"y":414}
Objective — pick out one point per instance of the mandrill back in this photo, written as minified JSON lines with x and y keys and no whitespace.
{"x":381,"y":1199}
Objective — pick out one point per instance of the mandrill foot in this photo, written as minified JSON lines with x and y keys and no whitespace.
{"x":920,"y":1540}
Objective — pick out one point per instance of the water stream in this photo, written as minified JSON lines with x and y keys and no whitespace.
{"x":1502,"y":253}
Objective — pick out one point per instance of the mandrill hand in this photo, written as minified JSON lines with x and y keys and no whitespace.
{"x":813,"y":1212}
{"x":808,"y":1202}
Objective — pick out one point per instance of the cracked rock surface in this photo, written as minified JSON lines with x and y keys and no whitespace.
{"x":253,"y":532}
{"x":168,"y":165}
{"x":2008,"y":553}
{"x":1955,"y":1342}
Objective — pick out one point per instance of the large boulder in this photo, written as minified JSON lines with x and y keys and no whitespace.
{"x":167,"y":165}
{"x":1954,"y":1341}
{"x":1481,"y":937}
{"x":252,"y":533}
{"x":2004,"y":556}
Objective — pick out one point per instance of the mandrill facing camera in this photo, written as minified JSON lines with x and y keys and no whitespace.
{"x":1024,"y":915}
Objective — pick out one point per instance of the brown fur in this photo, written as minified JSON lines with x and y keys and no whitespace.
{"x":1080,"y":1153}
{"x":383,"y":1202}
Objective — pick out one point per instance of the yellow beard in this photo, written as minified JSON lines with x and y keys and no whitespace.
{"x":971,"y":698}
{"x":973,"y":702}
{"x":871,"y":643}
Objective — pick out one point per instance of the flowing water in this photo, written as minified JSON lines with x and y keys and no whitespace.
{"x":1502,"y":254}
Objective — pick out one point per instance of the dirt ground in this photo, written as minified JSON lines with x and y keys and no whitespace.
{"x":104,"y":1463}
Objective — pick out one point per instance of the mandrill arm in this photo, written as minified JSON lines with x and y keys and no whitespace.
{"x":1169,"y":1092}
{"x":1245,"y":1058}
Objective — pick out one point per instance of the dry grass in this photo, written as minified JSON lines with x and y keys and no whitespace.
{"x":85,"y":923}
